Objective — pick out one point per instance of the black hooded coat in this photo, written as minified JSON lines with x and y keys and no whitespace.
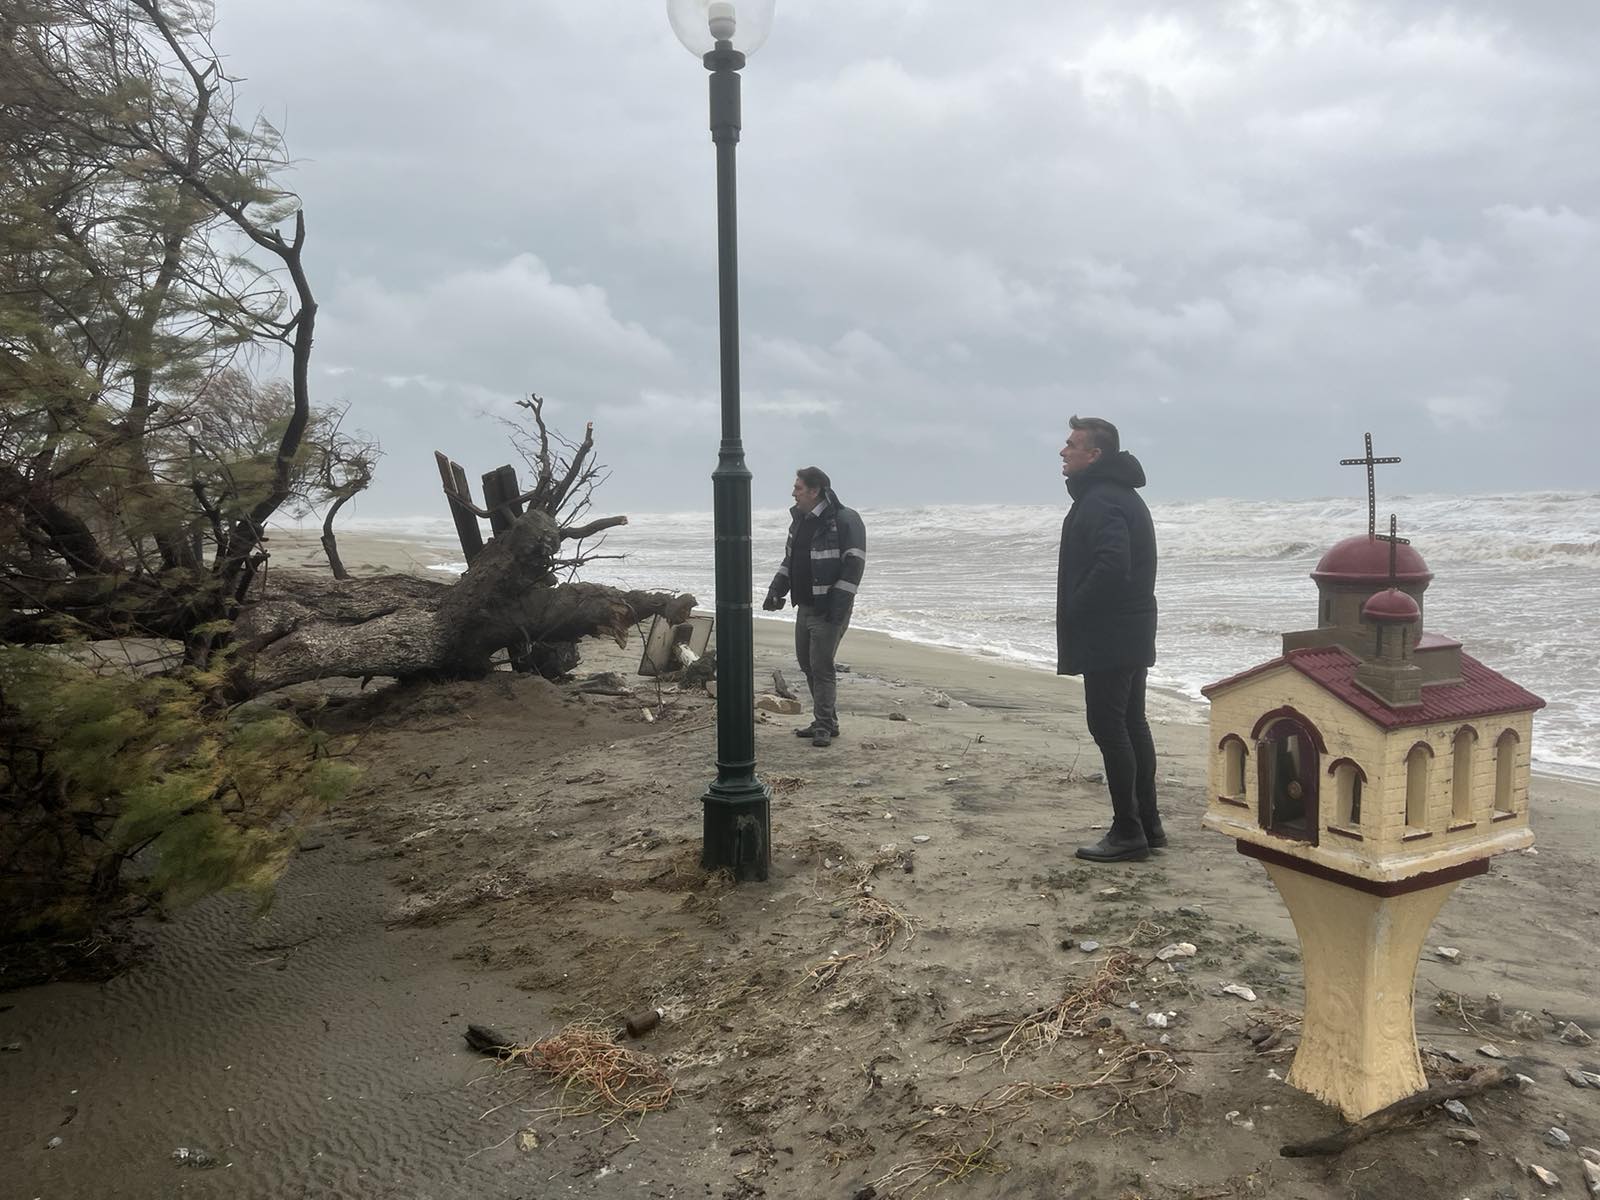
{"x":1106,"y":580}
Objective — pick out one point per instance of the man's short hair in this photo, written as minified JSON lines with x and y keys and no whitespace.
{"x":816,"y":477}
{"x":1102,"y":433}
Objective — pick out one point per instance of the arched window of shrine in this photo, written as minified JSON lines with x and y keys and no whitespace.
{"x":1463,"y":749}
{"x":1505,"y":772}
{"x":1234,"y":755}
{"x":1418,"y":762}
{"x":1348,"y":780}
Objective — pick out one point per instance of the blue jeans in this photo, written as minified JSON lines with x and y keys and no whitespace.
{"x":815,"y":640}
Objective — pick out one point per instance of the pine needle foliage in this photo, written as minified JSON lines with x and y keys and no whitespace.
{"x":117,"y":784}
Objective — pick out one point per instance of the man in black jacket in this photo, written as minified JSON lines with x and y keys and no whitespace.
{"x":1106,"y":626}
{"x":823,"y":562}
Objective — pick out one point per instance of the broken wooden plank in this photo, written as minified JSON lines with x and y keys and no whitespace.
{"x":460,"y":499}
{"x":500,"y":498}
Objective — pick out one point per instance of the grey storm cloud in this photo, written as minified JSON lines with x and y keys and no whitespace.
{"x":1245,"y":231}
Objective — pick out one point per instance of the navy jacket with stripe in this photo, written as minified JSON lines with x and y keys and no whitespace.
{"x":838,"y":556}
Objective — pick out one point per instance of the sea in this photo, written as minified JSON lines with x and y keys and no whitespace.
{"x":1516,"y":580}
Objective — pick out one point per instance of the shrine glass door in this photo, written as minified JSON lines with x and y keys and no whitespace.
{"x":1287,"y":761}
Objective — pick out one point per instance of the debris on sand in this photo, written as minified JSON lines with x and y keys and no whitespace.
{"x":945,"y":1166}
{"x":593,"y":1075}
{"x":192,"y":1156}
{"x":880,"y":922}
{"x":1549,"y":1178}
{"x":486,"y":1040}
{"x":1069,"y":1016}
{"x":605,"y":683}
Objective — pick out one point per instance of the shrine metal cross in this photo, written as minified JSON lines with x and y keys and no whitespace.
{"x":1395,"y":542}
{"x":1372,"y":490}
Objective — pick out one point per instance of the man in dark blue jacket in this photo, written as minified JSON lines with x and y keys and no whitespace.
{"x":823,"y":562}
{"x":1106,"y":626}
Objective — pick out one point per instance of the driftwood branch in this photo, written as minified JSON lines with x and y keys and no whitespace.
{"x":569,"y":532}
{"x":1398,"y":1113}
{"x":558,"y":497}
{"x":535,"y":405}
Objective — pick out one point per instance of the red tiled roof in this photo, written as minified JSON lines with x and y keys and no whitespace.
{"x":1248,"y":673}
{"x":1481,"y":692}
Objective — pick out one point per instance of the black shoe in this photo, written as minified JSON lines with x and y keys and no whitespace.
{"x":821,"y":738}
{"x":1107,"y":850}
{"x":807,"y":731}
{"x":1156,"y":840}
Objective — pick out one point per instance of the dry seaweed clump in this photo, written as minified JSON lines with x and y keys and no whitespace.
{"x":1041,"y":1029}
{"x":942,"y":1166}
{"x":877,"y":921}
{"x":593,"y":1075}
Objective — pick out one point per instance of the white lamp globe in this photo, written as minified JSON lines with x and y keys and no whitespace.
{"x":701,"y":24}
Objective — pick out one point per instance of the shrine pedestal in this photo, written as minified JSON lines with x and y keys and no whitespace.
{"x":1358,"y":1044}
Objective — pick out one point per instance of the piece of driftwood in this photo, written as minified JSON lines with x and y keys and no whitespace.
{"x":1388,"y":1118}
{"x":780,"y":685}
{"x":486,"y":1040}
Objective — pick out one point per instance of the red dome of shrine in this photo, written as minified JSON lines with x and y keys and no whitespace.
{"x":1391,"y":605}
{"x":1365,"y":560}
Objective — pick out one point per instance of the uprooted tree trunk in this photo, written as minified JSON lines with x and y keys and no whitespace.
{"x":310,"y":627}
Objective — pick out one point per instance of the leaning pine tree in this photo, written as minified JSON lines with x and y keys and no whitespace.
{"x":139,"y":470}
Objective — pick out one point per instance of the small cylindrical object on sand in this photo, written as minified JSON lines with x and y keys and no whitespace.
{"x":642,"y":1022}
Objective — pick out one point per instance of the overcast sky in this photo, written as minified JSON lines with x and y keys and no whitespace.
{"x":1246,"y":232}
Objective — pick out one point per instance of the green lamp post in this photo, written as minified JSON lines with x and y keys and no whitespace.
{"x":737,"y":805}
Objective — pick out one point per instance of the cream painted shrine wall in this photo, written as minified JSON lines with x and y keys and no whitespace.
{"x":1403,"y":782}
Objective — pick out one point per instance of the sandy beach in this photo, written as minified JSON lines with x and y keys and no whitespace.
{"x":524,"y":855}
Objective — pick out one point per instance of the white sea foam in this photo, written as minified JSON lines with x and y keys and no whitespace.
{"x":1517,"y":579}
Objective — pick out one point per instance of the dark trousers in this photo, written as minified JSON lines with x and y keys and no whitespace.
{"x":816,"y":640}
{"x":1114,"y":708}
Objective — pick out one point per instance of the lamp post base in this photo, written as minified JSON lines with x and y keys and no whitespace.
{"x":738,"y":829}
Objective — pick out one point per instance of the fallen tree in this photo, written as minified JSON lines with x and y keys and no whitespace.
{"x":306,"y":627}
{"x":300,"y":628}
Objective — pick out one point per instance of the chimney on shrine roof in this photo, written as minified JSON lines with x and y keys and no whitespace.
{"x":1394,"y":620}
